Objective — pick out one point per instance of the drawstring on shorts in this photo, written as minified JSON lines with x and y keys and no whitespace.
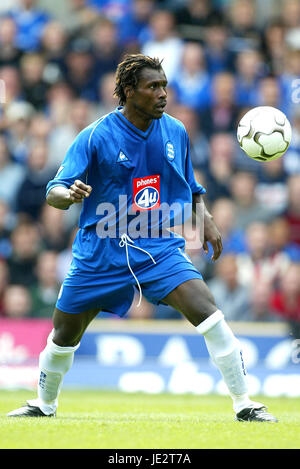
{"x":127,"y":241}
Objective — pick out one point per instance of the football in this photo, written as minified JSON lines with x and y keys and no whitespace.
{"x":264,"y":133}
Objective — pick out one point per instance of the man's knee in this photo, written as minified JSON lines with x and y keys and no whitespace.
{"x":64,"y":337}
{"x":67,"y":328}
{"x":194,"y":300}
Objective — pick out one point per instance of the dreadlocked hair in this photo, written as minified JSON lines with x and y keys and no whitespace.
{"x":128,"y":73}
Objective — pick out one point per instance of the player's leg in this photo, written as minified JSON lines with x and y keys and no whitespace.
{"x":69,"y":328}
{"x":55,"y":360}
{"x":194,"y":299}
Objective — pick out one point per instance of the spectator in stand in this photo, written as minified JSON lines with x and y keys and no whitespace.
{"x":10,"y":76}
{"x":280,"y":239}
{"x":18,"y":117}
{"x":4,"y":282}
{"x":271,"y":189}
{"x":243,"y":29}
{"x":248,"y":208}
{"x":133,"y":29}
{"x":53,"y":229}
{"x":79,"y":19}
{"x":191,"y":83}
{"x":115,"y":10}
{"x":270,"y":94}
{"x":233,"y":238}
{"x":63,"y":135}
{"x":11,"y":175}
{"x":291,"y":13}
{"x":273,"y":45}
{"x":16,"y":302}
{"x":259,"y":298}
{"x":44,"y":292}
{"x":249,"y":70}
{"x":228,"y":291}
{"x":6,"y":225}
{"x":64,"y":257}
{"x":25,"y":240}
{"x":30,"y":22}
{"x":217,"y":175}
{"x":291,"y":160}
{"x":285,"y":301}
{"x":292,"y":212}
{"x":259,"y":262}
{"x":6,"y":5}
{"x":199,"y":147}
{"x":194,"y":16}
{"x":40,"y":128}
{"x":34,"y":85}
{"x":80,"y":69}
{"x":223,"y":113}
{"x":31,"y":193}
{"x":59,"y":103}
{"x":165,"y":42}
{"x":54,"y":45}
{"x":10,"y":54}
{"x":108,"y":102}
{"x":218,"y":56}
{"x":106,"y":49}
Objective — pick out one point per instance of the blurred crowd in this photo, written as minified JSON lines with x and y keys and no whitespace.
{"x":221,"y":58}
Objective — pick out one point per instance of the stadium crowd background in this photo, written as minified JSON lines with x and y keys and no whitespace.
{"x":58,"y":59}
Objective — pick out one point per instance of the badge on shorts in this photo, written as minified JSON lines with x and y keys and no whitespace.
{"x":170,"y":152}
{"x":146,"y":193}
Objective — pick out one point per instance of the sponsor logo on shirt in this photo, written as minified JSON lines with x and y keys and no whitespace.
{"x":146,"y":193}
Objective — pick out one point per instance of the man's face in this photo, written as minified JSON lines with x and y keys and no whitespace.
{"x":149,"y":98}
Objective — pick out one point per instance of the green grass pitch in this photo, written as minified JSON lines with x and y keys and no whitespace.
{"x":114,"y":420}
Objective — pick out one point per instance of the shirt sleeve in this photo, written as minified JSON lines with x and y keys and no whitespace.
{"x":189,"y":173}
{"x":75,"y":163}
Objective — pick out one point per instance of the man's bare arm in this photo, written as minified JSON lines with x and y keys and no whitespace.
{"x":211,"y":232}
{"x":60,"y":197}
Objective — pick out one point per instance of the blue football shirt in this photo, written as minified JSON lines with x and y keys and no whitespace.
{"x":136,"y":177}
{"x":124,"y":164}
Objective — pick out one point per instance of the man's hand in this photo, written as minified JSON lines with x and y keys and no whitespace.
{"x":211,"y":232}
{"x":60,"y":197}
{"x":212,"y":236}
{"x":79,"y":191}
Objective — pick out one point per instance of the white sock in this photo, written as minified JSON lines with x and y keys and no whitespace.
{"x":225,"y":352}
{"x":54,"y":362}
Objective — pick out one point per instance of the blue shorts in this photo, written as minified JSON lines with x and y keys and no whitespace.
{"x":112,"y":287}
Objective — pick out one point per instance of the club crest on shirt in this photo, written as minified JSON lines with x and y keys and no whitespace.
{"x":122,"y":157}
{"x":170,"y":152}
